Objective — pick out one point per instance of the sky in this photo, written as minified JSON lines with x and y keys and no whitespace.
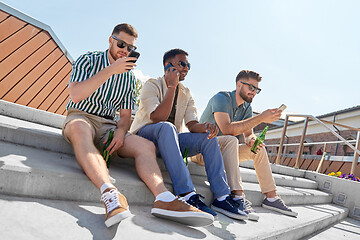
{"x":307,"y":51}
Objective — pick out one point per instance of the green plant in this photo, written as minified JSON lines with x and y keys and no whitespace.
{"x":138,"y":87}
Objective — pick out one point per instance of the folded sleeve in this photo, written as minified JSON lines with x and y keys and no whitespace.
{"x":149,"y":97}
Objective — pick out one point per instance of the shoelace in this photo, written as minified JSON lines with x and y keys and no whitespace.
{"x":182,"y":199}
{"x":246,"y":203}
{"x":283,"y":204}
{"x":111,"y":200}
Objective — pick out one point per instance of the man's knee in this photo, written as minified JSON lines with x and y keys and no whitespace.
{"x":228,"y":141}
{"x":77,"y":129}
{"x":145,"y":147}
{"x":166,"y":128}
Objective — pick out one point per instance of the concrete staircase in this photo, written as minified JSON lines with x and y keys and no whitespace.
{"x":45,"y":195}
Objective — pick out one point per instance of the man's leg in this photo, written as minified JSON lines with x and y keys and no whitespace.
{"x":165,"y":138}
{"x":80,"y":134}
{"x":229,"y":150}
{"x":166,"y":204}
{"x":143,"y":151}
{"x":214,"y":166}
{"x":262,"y":168}
{"x":265,"y":178}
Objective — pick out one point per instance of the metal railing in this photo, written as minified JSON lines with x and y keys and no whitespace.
{"x":302,"y":144}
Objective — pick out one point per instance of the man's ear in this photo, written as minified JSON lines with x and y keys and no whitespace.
{"x":238,"y":84}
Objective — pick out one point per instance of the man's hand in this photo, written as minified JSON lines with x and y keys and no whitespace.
{"x":172,"y":77}
{"x":270,"y":115}
{"x":117,"y":141}
{"x":251,"y":142}
{"x":122,"y":65}
{"x":212,"y":129}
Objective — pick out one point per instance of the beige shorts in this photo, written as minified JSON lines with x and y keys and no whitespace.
{"x":100,"y":127}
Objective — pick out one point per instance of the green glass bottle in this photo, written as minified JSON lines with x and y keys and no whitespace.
{"x":259,"y":140}
{"x":185,"y":156}
{"x":106,"y":155}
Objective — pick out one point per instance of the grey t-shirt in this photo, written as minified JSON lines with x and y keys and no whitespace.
{"x":226,"y":102}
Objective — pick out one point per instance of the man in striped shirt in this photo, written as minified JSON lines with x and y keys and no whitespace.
{"x":101,"y":83}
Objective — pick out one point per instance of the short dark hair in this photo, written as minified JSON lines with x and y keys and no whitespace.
{"x":125,"y":27}
{"x":246,"y":74}
{"x":172,"y":53}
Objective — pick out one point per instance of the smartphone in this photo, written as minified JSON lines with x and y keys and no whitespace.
{"x":134,"y":54}
{"x":282,"y":107}
{"x":168,"y":66}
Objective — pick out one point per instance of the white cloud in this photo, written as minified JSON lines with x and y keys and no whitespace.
{"x":140,"y":75}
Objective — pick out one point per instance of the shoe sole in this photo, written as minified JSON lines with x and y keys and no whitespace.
{"x":230,"y":214}
{"x":292,"y":214}
{"x":195,"y":219}
{"x":117,"y":218}
{"x":253,"y":217}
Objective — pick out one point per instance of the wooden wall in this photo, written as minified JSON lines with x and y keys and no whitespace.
{"x":33,"y":70}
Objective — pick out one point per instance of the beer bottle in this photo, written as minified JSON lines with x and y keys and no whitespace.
{"x":259,"y":140}
{"x":106,"y":155}
{"x":185,"y":156}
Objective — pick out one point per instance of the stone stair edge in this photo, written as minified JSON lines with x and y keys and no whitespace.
{"x":283,"y":227}
{"x":31,"y":114}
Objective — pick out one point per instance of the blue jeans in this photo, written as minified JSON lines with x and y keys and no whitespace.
{"x":170,"y":145}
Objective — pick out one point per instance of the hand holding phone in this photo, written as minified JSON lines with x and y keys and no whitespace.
{"x":172,"y":77}
{"x":134,"y":54}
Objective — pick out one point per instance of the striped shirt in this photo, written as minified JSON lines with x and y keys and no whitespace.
{"x":118,"y":92}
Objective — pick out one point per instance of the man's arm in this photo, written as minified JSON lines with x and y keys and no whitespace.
{"x":123,"y":126}
{"x":239,"y":127}
{"x":80,"y":90}
{"x":163,"y":110}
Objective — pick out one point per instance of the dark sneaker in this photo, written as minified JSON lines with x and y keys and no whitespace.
{"x":229,"y":208}
{"x":195,"y":201}
{"x":278,"y":206}
{"x":245,"y":206}
{"x":180,"y":211}
{"x":116,"y":206}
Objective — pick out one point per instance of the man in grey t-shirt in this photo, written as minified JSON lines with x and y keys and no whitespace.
{"x":232,"y":113}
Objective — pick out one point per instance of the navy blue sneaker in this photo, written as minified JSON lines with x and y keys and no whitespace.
{"x":245,"y":206}
{"x":195,"y":201}
{"x":229,"y":208}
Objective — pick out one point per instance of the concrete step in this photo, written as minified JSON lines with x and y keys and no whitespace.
{"x":27,"y":171}
{"x":31,"y":114}
{"x":40,"y":136}
{"x":29,"y":218}
{"x":280,"y":169}
{"x":33,"y":134}
{"x":348,"y":228}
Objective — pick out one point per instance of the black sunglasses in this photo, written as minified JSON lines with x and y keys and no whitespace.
{"x":185,"y":64}
{"x":252,"y":87}
{"x":122,"y":44}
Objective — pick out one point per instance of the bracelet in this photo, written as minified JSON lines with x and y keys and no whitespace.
{"x":174,"y":87}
